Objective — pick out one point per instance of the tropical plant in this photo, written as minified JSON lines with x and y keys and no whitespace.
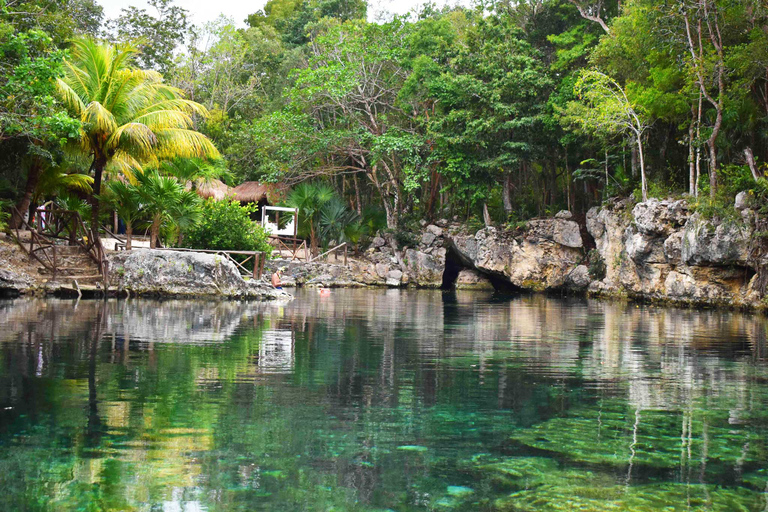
{"x":129,"y":116}
{"x":165,"y":201}
{"x":196,"y":171}
{"x":310,"y":198}
{"x":335,"y":217}
{"x":226,"y":225}
{"x":55,"y":181}
{"x":606,"y":110}
{"x":125,"y":199}
{"x":5,"y":215}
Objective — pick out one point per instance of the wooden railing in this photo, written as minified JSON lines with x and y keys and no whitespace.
{"x":330,"y":251}
{"x":51,"y":224}
{"x":281,"y":243}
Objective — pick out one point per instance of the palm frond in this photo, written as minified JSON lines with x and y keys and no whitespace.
{"x":177,"y":142}
{"x":98,"y":119}
{"x":135,"y":138}
{"x":70,"y":98}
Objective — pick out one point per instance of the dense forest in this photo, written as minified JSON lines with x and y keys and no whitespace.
{"x":493,"y":113}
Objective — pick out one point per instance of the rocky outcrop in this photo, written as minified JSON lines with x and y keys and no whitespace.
{"x":540,"y":257}
{"x":473,"y":280}
{"x":13,"y":283}
{"x":183,"y":274}
{"x":659,"y":250}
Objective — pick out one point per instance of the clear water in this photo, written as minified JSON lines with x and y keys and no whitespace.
{"x":381,"y":400}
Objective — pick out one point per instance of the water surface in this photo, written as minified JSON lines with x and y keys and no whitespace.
{"x":381,"y":400}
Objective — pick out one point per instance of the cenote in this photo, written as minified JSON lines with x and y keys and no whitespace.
{"x":381,"y":400}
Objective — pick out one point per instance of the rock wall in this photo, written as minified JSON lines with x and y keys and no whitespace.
{"x":655,"y":250}
{"x":543,"y":256}
{"x":659,"y":250}
{"x":183,"y":274}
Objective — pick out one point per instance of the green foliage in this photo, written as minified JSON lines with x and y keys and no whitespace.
{"x":226,"y":225}
{"x":5,"y":214}
{"x":156,"y":36}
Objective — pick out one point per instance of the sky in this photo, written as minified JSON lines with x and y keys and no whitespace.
{"x":202,"y":11}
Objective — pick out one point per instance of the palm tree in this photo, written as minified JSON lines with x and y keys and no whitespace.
{"x":129,"y":117}
{"x":126,"y":201}
{"x":196,"y":171}
{"x":310,"y":198}
{"x":165,"y":200}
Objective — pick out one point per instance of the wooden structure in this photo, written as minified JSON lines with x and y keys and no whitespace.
{"x":51,"y":232}
{"x":334,"y":251}
{"x":285,"y":237}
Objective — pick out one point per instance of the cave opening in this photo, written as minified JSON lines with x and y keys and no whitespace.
{"x":455,"y":263}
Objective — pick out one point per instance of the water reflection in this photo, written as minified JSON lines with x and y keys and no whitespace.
{"x":366,"y":400}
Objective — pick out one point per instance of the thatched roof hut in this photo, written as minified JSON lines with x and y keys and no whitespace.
{"x":214,"y":189}
{"x":255,"y":192}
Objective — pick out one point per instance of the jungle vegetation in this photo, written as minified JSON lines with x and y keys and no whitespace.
{"x":490,"y":113}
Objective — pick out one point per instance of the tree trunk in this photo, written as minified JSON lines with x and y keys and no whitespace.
{"x":643,"y":182}
{"x":154,"y":232}
{"x":634,"y":163}
{"x":486,"y":216}
{"x":358,"y":205}
{"x":128,"y":235}
{"x":99,"y":163}
{"x":691,"y":153}
{"x":751,"y":163}
{"x":33,"y":177}
{"x":506,"y":193}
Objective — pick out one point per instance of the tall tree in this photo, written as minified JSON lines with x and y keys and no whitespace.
{"x":605,"y":109}
{"x":128,"y":115}
{"x":157,"y":35}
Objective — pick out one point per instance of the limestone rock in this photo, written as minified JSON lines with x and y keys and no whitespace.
{"x":534,"y":262}
{"x":13,"y":281}
{"x":673,"y":247}
{"x":378,"y":242}
{"x":427,"y":238}
{"x":743,"y":201}
{"x":435,"y":230}
{"x":563,"y":232}
{"x":382,"y":269}
{"x":564,"y":214}
{"x":177,"y":273}
{"x":643,"y":249}
{"x":654,"y":217}
{"x":705,"y":243}
{"x":680,"y":286}
{"x":425,"y":270}
{"x":469,"y":279}
{"x":579,"y":278}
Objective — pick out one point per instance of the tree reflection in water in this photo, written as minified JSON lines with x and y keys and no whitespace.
{"x":374,"y":399}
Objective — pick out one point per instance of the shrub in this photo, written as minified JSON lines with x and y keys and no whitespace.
{"x":226,"y":225}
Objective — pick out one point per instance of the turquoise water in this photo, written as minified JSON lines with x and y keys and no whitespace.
{"x":381,"y":400}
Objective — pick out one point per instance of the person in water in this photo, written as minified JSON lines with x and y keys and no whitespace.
{"x":276,"y":284}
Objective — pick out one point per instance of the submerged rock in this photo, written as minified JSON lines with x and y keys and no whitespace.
{"x":181,"y":273}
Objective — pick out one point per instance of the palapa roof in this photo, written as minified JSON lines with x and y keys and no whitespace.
{"x":214,"y":189}
{"x":254,"y":192}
